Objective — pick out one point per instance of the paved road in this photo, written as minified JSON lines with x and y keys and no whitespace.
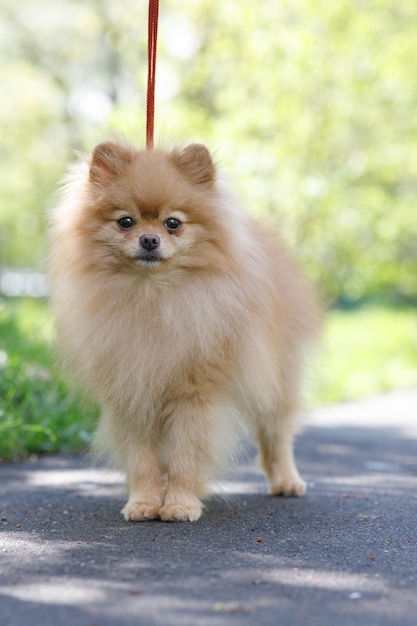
{"x":344,"y":554}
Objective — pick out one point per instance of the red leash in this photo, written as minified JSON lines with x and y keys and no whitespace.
{"x":153,"y":12}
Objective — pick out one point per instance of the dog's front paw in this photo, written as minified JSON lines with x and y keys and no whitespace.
{"x":180,"y":512}
{"x":288,"y":487}
{"x":135,"y":511}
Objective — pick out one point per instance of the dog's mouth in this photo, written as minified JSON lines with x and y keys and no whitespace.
{"x":148,"y":259}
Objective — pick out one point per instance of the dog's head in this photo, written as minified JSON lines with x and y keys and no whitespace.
{"x":150,"y":209}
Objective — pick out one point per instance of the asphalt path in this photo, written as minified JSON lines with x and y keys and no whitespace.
{"x":346,"y":553}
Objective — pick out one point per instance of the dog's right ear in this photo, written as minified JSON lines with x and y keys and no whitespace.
{"x":108,"y":160}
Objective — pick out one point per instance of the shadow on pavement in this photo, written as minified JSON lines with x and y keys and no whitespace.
{"x":345,"y":553}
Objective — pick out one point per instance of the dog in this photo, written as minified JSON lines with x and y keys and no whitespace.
{"x":183,"y":316}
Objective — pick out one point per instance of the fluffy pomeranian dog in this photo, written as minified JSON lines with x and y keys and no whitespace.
{"x":182,"y":315}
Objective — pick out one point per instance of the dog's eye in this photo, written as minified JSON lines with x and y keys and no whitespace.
{"x":172,"y":224}
{"x":126,"y":222}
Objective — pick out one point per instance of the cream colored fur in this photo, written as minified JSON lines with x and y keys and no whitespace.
{"x":178,"y":349}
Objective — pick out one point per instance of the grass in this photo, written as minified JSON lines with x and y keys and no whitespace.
{"x":366,"y":351}
{"x":38,"y":414}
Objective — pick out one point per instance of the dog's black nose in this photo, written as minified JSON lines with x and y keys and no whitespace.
{"x":149,"y":242}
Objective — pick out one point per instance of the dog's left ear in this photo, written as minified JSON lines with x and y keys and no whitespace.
{"x":196,"y":164}
{"x":107,"y":161}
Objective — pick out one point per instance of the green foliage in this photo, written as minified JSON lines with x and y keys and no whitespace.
{"x":365,"y":351}
{"x":309,"y":104}
{"x":37,"y":412}
{"x":313,"y":104}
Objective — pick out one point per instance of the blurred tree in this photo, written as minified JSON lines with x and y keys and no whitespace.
{"x":310,"y":104}
{"x":63,"y":67}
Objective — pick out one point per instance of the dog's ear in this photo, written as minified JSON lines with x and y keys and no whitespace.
{"x":196,"y":164}
{"x":107,"y":161}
